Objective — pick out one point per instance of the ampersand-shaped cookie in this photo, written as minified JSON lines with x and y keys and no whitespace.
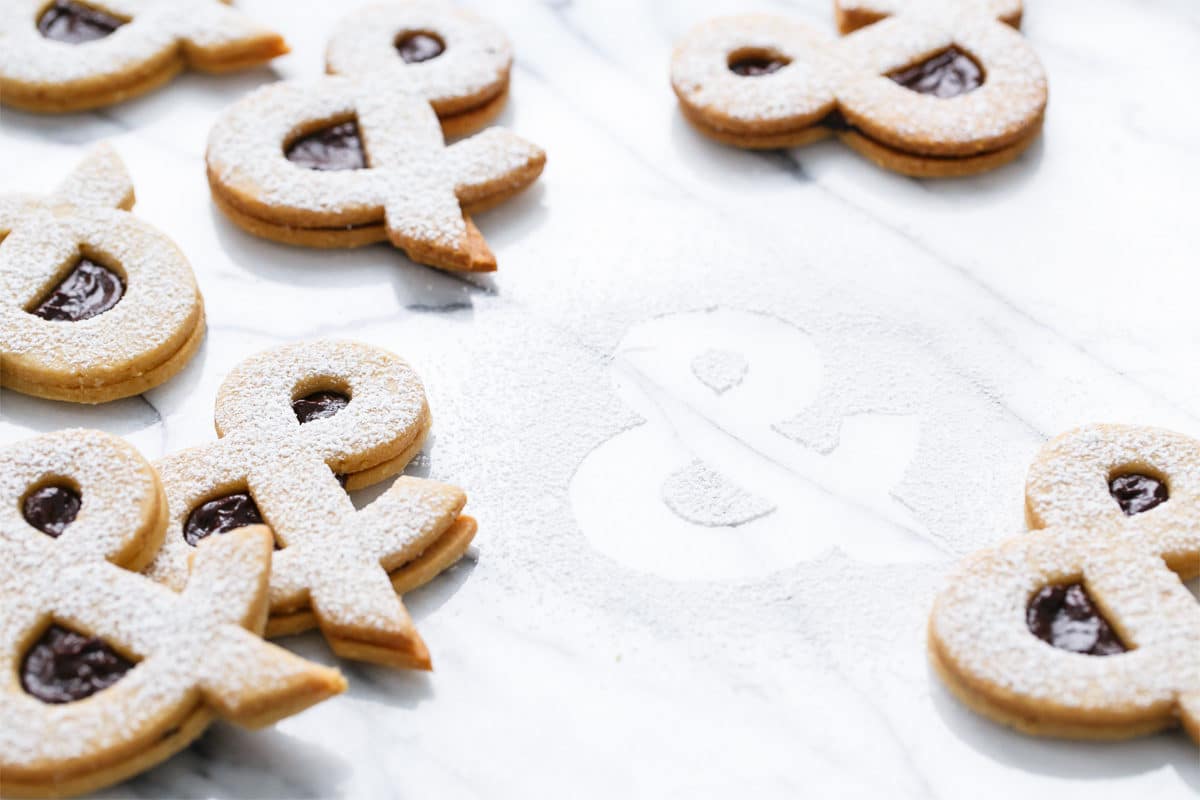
{"x":108,"y":673}
{"x":1083,"y":628}
{"x":95,"y":304}
{"x":294,"y":423}
{"x":928,"y":88}
{"x":349,"y":160}
{"x":64,"y":55}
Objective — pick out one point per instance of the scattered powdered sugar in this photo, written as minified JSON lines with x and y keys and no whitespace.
{"x":474,"y":64}
{"x":851,"y":74}
{"x":720,"y":370}
{"x":704,"y":496}
{"x":334,"y":557}
{"x":155,"y":31}
{"x":978,"y":624}
{"x":161,"y":304}
{"x":183,"y":645}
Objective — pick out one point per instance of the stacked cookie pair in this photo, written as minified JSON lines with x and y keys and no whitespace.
{"x":133,"y":595}
{"x":928,"y":88}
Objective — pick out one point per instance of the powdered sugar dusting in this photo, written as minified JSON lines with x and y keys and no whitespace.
{"x":720,"y":370}
{"x":194,"y":654}
{"x":701,"y":495}
{"x":333,"y":556}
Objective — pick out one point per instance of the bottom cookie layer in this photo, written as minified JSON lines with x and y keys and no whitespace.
{"x":437,"y":558}
{"x":920,"y":166}
{"x":105,"y":393}
{"x":99,"y":776}
{"x":1047,"y":724}
{"x":467,"y":122}
{"x":94,"y":94}
{"x":349,"y":236}
{"x":914,"y":165}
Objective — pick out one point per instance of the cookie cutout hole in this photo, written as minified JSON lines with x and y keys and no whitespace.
{"x":221,"y":515}
{"x":1136,"y":490}
{"x":63,"y":665}
{"x":75,"y":23}
{"x":948,"y":73}
{"x":417,"y":46}
{"x":1065,"y":617}
{"x":88,"y":290}
{"x":51,"y":508}
{"x":321,"y":404}
{"x":756,"y":62}
{"x":328,"y":147}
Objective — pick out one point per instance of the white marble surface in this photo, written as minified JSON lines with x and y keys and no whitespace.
{"x":859,"y":365}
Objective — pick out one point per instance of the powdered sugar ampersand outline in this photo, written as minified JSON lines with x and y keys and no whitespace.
{"x":706,"y":488}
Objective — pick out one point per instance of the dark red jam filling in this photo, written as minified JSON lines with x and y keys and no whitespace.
{"x":75,"y":23}
{"x":63,"y":666}
{"x":1066,"y":617}
{"x":319,"y":405}
{"x":88,"y":291}
{"x":1136,"y":493}
{"x":417,"y":47}
{"x":221,"y":515}
{"x":51,"y":509}
{"x":946,"y":74}
{"x":336,"y":147}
